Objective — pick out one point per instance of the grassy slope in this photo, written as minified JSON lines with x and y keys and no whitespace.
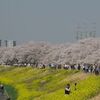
{"x":47,"y":84}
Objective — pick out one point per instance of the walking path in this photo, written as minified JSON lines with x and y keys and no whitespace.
{"x":77,"y":76}
{"x":3,"y":97}
{"x":96,"y":97}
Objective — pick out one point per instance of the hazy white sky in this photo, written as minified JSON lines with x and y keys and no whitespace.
{"x":46,"y":20}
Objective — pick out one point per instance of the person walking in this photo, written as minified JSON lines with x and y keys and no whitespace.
{"x":67,"y":89}
{"x":75,"y":86}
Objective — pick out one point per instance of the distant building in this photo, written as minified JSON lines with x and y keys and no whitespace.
{"x":7,"y":43}
{"x":11,"y":43}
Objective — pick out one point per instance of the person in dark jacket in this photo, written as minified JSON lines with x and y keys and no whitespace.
{"x":67,"y":89}
{"x":75,"y":86}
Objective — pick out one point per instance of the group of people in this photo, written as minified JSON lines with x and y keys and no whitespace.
{"x":87,"y":68}
{"x":92,"y":68}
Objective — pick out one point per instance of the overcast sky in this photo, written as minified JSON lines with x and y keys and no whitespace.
{"x":46,"y":20}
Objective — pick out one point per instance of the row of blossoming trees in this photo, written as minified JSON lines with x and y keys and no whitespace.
{"x":84,"y":51}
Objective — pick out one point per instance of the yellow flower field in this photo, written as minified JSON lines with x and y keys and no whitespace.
{"x":48,"y":84}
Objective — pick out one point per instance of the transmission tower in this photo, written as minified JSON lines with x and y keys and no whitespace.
{"x":85,"y":31}
{"x":94,"y":29}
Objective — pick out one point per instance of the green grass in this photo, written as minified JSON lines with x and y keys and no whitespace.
{"x":48,"y":84}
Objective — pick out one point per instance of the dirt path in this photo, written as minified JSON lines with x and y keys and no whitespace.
{"x":3,"y":97}
{"x":77,"y":76}
{"x":96,"y":97}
